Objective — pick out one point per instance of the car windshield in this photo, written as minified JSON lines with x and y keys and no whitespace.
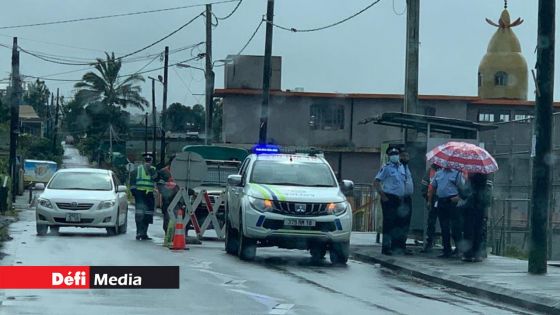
{"x":81,"y":181}
{"x":292,"y":174}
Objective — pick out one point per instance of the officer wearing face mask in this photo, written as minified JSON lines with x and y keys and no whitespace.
{"x":390,"y":185}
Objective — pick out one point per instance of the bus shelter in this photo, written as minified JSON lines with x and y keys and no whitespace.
{"x":423,"y":133}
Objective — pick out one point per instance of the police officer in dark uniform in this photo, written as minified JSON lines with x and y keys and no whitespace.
{"x":390,"y":184}
{"x":446,"y":183}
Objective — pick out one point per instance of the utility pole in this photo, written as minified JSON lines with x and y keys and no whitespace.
{"x":164,"y":105}
{"x":56,"y":121}
{"x":541,"y":189}
{"x":146,"y":134}
{"x":410,"y":104}
{"x":14,"y":121}
{"x":111,"y":146}
{"x":154,"y":119}
{"x":267,"y":72}
{"x":209,"y":75}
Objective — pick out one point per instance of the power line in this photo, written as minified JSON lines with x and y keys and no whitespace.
{"x":252,"y":36}
{"x":295,"y":30}
{"x":111,"y":16}
{"x":231,"y":13}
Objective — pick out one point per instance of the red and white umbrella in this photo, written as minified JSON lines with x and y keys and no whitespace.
{"x":463,"y":156}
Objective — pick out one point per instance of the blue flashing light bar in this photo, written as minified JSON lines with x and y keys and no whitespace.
{"x":266,"y":149}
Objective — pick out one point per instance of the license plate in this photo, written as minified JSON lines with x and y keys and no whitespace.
{"x":73,"y":217}
{"x":299,"y":222}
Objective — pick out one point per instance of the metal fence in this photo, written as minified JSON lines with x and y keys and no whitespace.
{"x":509,"y":216}
{"x":365,"y":207}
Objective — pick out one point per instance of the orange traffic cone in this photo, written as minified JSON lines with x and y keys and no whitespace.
{"x":179,"y":239}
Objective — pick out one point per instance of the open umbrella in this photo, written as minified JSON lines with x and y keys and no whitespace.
{"x":463,"y":156}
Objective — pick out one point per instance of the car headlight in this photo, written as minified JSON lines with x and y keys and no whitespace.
{"x":337,"y":208}
{"x":263,"y":205}
{"x":45,"y":203}
{"x":106,"y":204}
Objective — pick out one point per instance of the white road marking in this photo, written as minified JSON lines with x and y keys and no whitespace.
{"x":281,"y":309}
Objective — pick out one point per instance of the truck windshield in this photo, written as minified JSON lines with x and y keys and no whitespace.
{"x":292,"y":174}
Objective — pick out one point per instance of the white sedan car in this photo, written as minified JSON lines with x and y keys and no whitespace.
{"x":83,"y":197}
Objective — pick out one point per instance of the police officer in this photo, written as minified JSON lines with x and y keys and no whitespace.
{"x":427,"y":190}
{"x":446,"y":183}
{"x":142,"y":185}
{"x":390,"y":184}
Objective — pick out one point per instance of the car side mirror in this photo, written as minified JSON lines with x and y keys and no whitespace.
{"x":234,"y":180}
{"x":121,"y":188}
{"x":347,"y":187}
{"x":39,"y":186}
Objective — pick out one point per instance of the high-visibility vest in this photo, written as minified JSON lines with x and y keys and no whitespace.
{"x":143,"y":180}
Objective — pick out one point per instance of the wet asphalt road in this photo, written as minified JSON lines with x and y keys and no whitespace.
{"x":212,"y":282}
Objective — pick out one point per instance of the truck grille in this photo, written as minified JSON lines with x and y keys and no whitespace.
{"x":300,"y":208}
{"x":74,"y":206}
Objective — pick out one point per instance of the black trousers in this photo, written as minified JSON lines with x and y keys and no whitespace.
{"x":431,"y":225}
{"x":390,"y":209}
{"x":402,"y":223}
{"x":450,"y":220}
{"x":144,"y":215}
{"x":474,"y":232}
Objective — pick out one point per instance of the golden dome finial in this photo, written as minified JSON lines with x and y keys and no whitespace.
{"x":505,"y":21}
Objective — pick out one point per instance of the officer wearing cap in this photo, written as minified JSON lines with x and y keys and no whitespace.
{"x":390,"y":184}
{"x":446,"y":183}
{"x":142,"y":182}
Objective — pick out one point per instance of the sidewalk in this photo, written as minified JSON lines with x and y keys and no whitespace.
{"x":497,"y":278}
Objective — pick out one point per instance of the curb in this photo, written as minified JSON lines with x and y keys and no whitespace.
{"x":501,"y":294}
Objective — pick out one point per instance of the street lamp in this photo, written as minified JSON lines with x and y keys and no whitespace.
{"x":210,"y":76}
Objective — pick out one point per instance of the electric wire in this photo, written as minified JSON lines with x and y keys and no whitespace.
{"x":252,"y":36}
{"x":295,"y":30}
{"x":111,"y":16}
{"x":231,"y":13}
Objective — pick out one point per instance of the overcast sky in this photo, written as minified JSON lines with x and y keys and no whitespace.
{"x":365,"y":54}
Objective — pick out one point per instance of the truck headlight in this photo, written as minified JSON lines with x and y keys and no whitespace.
{"x":337,"y":208}
{"x":262,"y":205}
{"x":106,"y":204}
{"x":45,"y":203}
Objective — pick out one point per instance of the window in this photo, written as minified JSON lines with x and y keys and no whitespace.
{"x":429,"y":111}
{"x":81,"y":181}
{"x":501,"y":78}
{"x":522,"y":117}
{"x":292,"y":174}
{"x":504,"y":118}
{"x":326,"y":117}
{"x":485,"y":117}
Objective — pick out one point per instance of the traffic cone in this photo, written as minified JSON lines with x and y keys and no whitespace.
{"x":179,"y":240}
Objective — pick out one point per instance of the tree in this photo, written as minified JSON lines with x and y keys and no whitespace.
{"x":200,"y":116}
{"x":107,"y":87}
{"x":37,"y":96}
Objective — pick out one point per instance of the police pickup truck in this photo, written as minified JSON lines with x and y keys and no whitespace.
{"x":288,"y":200}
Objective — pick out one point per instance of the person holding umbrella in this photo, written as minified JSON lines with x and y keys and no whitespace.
{"x":476,"y":201}
{"x":469,"y":158}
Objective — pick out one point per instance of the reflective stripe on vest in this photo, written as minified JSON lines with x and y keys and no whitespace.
{"x":143,"y":181}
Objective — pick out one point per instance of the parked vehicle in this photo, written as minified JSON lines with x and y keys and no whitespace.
{"x":37,"y":171}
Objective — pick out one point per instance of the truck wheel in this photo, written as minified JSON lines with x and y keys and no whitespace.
{"x":339,"y":253}
{"x":231,"y":243}
{"x":42,"y":229}
{"x":318,"y":252}
{"x":247,"y":249}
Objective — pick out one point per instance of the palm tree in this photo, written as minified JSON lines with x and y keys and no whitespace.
{"x":107,"y":87}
